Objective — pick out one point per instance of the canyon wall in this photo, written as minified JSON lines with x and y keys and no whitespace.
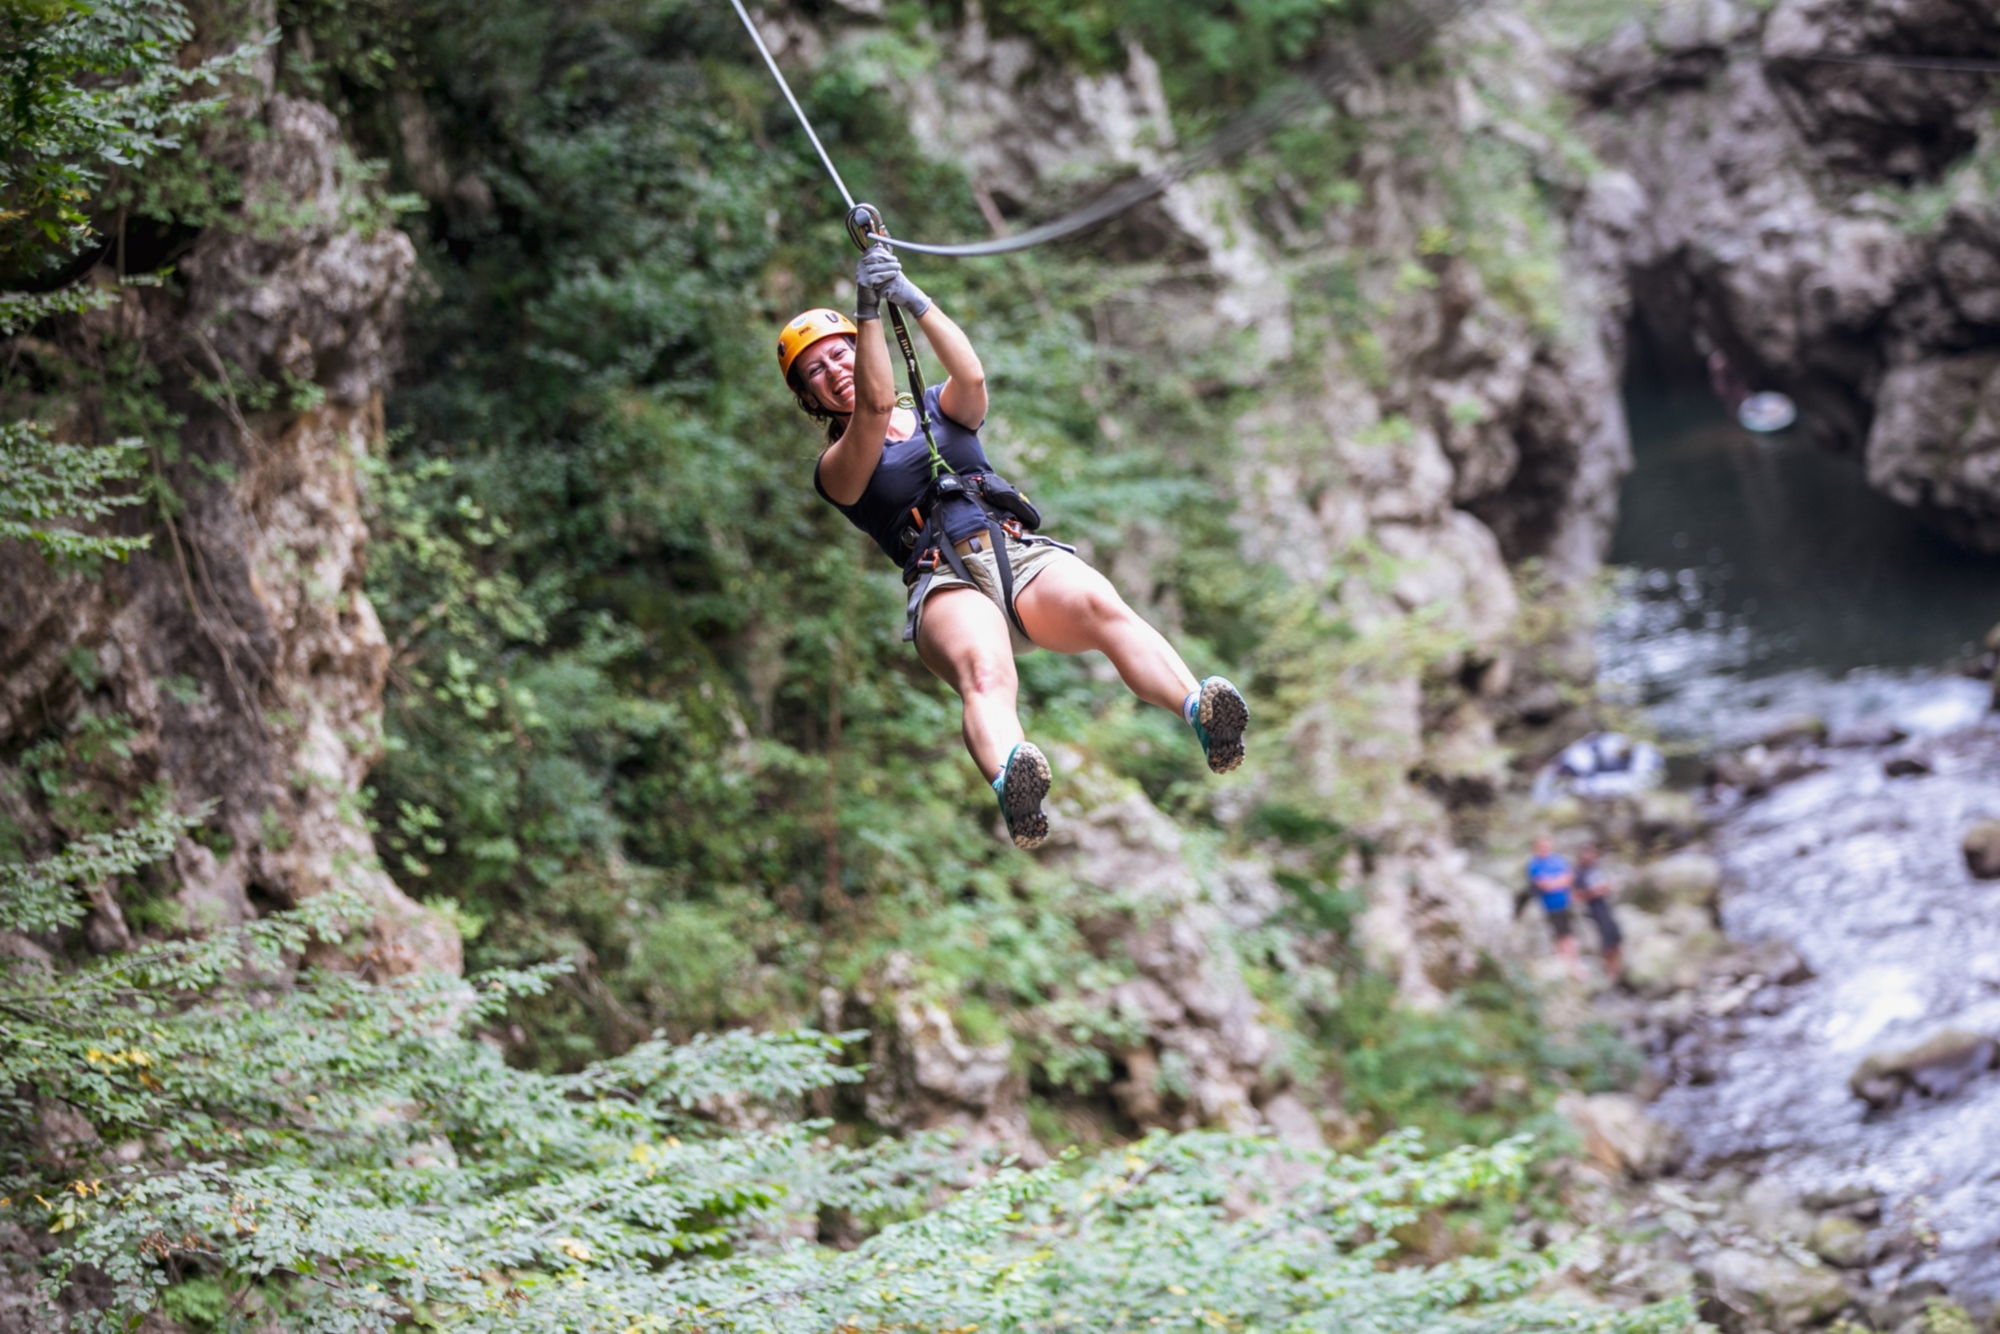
{"x":236,"y":661}
{"x":1831,"y":227}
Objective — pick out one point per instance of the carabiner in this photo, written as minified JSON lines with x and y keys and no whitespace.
{"x":865,"y":226}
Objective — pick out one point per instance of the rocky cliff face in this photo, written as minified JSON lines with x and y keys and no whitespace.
{"x":1832,"y":228}
{"x":237,"y":657}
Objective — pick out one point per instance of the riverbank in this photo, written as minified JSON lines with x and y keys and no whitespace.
{"x":1813,"y":976}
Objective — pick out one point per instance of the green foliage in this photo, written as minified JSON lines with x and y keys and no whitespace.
{"x":307,"y":1149}
{"x":41,"y":896}
{"x":90,"y":87}
{"x":1473,"y":1071}
{"x":650,"y":715}
{"x":44,"y":481}
{"x":1221,"y":52}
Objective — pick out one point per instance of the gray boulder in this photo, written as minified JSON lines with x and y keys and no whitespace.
{"x":1686,"y":877}
{"x":1981,"y":846}
{"x":1937,"y":1067}
{"x":1618,"y":1134}
{"x":1840,"y":1241}
{"x":1773,"y":1292}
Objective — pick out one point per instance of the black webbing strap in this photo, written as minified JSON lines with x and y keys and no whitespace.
{"x":998,"y":536}
{"x":948,"y":551}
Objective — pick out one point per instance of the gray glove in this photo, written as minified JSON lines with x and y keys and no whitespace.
{"x":867,"y":301}
{"x":880,"y":269}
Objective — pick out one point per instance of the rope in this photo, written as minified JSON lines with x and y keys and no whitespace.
{"x":1345,"y":67}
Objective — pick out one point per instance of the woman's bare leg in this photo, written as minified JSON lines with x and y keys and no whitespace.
{"x":963,"y":639}
{"x":1071,"y":608}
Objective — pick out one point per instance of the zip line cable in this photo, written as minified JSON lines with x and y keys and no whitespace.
{"x":771,"y":63}
{"x":1347,"y":66}
{"x":1943,"y":64}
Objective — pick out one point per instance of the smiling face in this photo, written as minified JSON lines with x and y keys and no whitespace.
{"x":824,"y":373}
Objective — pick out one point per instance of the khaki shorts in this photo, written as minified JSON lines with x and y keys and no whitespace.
{"x":1026,"y":558}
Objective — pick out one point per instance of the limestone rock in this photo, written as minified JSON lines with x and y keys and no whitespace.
{"x":1667,"y":951}
{"x":1430,"y":920}
{"x":1663,"y":815}
{"x":1686,"y":877}
{"x":1865,"y":734}
{"x":1757,"y":769}
{"x":1937,"y":1067}
{"x":923,"y":1074}
{"x":1767,"y":1209}
{"x":1840,"y":1241}
{"x":1804,"y":730}
{"x":1618,"y":1135}
{"x":1935,"y":444}
{"x":1982,"y":849}
{"x":1774,"y":1291}
{"x":1911,"y":764}
{"x":1201,"y":1058}
{"x":277,"y":658}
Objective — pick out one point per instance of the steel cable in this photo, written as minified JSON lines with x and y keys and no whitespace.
{"x":1344,"y":67}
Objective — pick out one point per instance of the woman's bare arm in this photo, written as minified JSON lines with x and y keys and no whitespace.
{"x":963,"y":398}
{"x":848,"y":463}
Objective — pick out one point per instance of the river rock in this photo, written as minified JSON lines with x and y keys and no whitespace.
{"x":1686,"y":877}
{"x":1757,"y":769}
{"x":1768,"y":1210}
{"x":1667,"y":951}
{"x":1662,"y":815}
{"x":1907,"y":765}
{"x":1772,"y":1291}
{"x":1803,"y":730}
{"x":1982,"y":849}
{"x":1840,"y":1241}
{"x":1862,"y":735}
{"x":1937,"y":1067}
{"x":1618,"y":1135}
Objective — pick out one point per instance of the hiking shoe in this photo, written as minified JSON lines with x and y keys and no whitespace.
{"x":1219,"y":715}
{"x":1021,"y":786}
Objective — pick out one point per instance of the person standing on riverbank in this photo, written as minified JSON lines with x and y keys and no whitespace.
{"x":1595,"y":891}
{"x":1551,"y":878}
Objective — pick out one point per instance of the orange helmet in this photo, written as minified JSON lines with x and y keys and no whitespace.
{"x":806,"y":330}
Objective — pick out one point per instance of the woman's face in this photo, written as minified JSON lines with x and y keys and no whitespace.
{"x":825,"y":372}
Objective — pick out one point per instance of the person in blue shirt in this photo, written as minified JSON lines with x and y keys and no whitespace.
{"x":1551,"y":878}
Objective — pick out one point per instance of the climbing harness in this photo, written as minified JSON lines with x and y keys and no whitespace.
{"x":1007,"y":511}
{"x":1376,"y":46}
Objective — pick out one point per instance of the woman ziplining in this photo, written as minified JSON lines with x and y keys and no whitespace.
{"x":984,"y":584}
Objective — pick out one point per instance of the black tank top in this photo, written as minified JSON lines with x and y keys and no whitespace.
{"x":902,"y":476}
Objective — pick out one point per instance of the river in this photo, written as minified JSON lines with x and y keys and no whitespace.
{"x":1759,"y":580}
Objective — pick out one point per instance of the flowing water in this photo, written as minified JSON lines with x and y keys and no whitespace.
{"x":1759,"y":575}
{"x":1760,"y":580}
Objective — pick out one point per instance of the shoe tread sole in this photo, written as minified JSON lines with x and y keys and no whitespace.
{"x":1224,"y":716}
{"x":1027,"y":784}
